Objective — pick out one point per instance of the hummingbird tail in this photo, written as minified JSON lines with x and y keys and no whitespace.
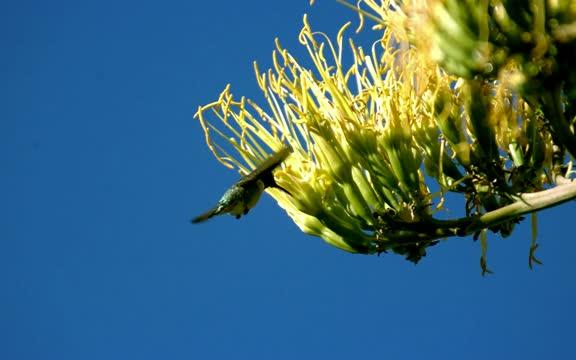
{"x":207,"y":215}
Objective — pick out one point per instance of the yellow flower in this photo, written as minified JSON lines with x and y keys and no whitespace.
{"x":369,"y":137}
{"x":355,"y":151}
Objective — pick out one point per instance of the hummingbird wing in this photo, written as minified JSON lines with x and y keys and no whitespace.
{"x":263,"y":172}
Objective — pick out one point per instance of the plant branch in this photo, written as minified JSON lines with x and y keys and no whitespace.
{"x":434,"y":229}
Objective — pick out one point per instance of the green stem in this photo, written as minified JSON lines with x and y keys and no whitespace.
{"x":528,"y":203}
{"x":559,"y":126}
{"x":433,"y":229}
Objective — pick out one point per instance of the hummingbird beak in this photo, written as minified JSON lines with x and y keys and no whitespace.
{"x":281,"y":189}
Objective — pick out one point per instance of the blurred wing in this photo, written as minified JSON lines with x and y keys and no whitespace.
{"x":264,"y":171}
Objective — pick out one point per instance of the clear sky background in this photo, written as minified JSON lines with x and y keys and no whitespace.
{"x":102,"y":167}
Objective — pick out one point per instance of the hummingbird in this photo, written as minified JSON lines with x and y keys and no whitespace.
{"x":244,"y":194}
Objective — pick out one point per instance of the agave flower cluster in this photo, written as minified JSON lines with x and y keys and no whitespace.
{"x":435,"y":103}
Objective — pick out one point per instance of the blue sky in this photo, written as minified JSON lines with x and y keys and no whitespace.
{"x":102,"y":166}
